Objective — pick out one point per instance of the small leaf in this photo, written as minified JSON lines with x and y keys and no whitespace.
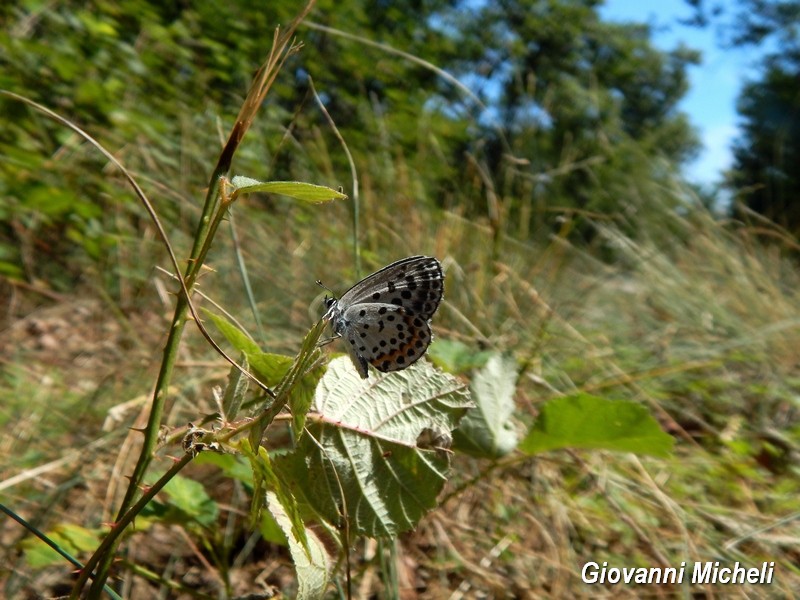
{"x":241,"y":182}
{"x":270,"y":530}
{"x":304,"y":378}
{"x":38,"y":554}
{"x":487,"y":430}
{"x":268,"y":367}
{"x":456,"y":357}
{"x":191,"y":501}
{"x":233,"y":466}
{"x":11,"y":271}
{"x":298,"y":190}
{"x":363,"y":443}
{"x":237,"y":338}
{"x":267,"y":479}
{"x":589,"y":422}
{"x":235,"y":390}
{"x":72,"y":539}
{"x":311,"y":561}
{"x":78,"y":538}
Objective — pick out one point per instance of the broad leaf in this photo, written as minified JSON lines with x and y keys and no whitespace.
{"x":488,"y":431}
{"x":589,"y":422}
{"x":361,"y":457}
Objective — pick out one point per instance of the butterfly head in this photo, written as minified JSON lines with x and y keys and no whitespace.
{"x":328,"y":301}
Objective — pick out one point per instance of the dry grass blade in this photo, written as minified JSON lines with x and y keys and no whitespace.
{"x":282,"y":48}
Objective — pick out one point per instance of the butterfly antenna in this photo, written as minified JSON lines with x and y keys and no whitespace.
{"x":328,"y":301}
{"x":325,"y":287}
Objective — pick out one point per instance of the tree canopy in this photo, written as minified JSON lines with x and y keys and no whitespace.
{"x":767,"y":154}
{"x":764,"y":173}
{"x":588,"y":103}
{"x":567,"y":109}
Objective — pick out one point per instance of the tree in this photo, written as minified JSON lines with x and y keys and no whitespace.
{"x":764,"y":174}
{"x":588,"y":104}
{"x":584,"y":105}
{"x":767,"y":154}
{"x":766,"y":157}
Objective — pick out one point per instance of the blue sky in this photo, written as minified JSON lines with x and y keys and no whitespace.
{"x":714,"y":84}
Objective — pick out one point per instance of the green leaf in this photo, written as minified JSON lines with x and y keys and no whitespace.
{"x":362,"y":442}
{"x":268,"y":367}
{"x":233,"y":466}
{"x":270,"y":530}
{"x":311,"y":561}
{"x":235,"y":390}
{"x":38,"y":554}
{"x":237,"y":338}
{"x":267,"y":479}
{"x":487,"y":430}
{"x":456,"y":357}
{"x":589,"y":422}
{"x":72,"y":539}
{"x":303,"y":378}
{"x":191,"y":501}
{"x":298,"y":190}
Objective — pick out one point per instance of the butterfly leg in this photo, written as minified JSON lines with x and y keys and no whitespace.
{"x":327,"y":341}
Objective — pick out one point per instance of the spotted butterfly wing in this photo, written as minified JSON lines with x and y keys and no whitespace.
{"x":384,"y":317}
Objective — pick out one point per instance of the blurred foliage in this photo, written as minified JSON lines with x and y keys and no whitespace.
{"x":757,"y":20}
{"x":766,"y":156}
{"x":581,"y":105}
{"x":588,"y":104}
{"x":764,"y":173}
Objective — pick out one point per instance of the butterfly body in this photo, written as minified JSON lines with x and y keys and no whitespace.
{"x":384,"y":318}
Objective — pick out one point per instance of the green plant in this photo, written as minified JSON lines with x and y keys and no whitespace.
{"x":670,"y":310}
{"x":369,"y":460}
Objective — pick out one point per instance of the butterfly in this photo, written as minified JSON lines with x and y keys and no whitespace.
{"x":384,"y":318}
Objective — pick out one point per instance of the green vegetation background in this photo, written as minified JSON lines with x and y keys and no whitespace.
{"x":549,"y":190}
